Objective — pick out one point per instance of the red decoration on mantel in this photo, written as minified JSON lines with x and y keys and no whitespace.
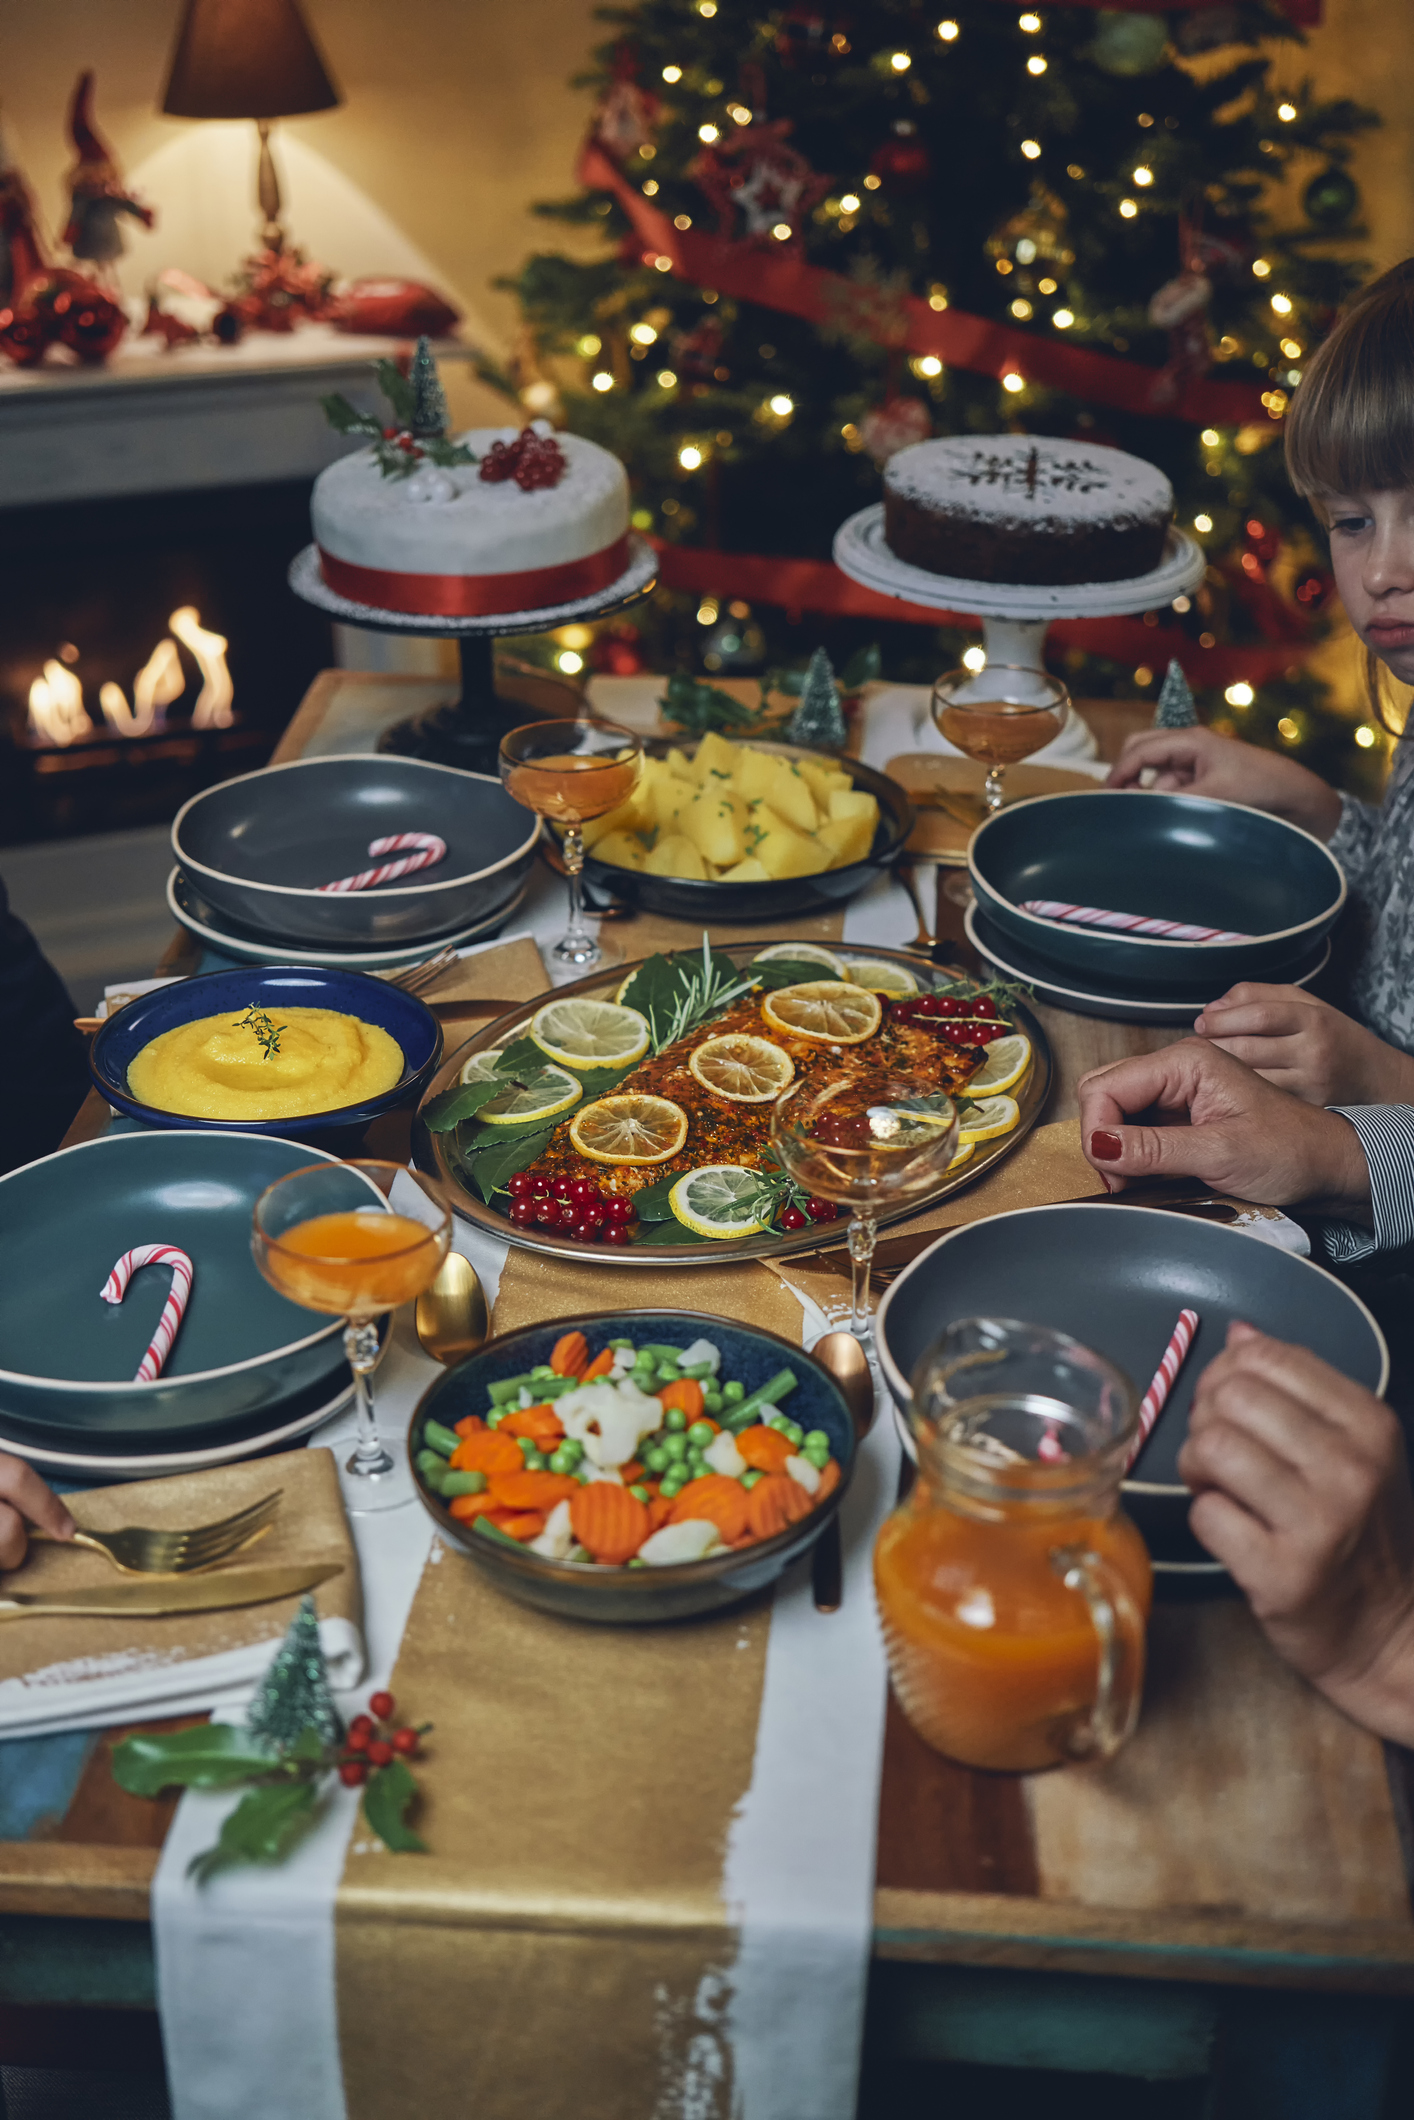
{"x":97,"y":193}
{"x":394,"y":308}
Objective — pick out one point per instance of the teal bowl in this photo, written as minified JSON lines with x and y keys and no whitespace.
{"x":67,"y":1359}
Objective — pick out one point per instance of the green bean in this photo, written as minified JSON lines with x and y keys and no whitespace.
{"x":622,"y":1343}
{"x":776,"y":1387}
{"x":640,"y":1494}
{"x":542,"y":1389}
{"x":668,"y":1373}
{"x":440,"y":1438}
{"x":462,"y":1483}
{"x":508,"y":1390}
{"x":698,"y":1370}
{"x":661,"y":1354}
{"x":542,"y":1369}
{"x":430,"y":1461}
{"x":489,"y":1530}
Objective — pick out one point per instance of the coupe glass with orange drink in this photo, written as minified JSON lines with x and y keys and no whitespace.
{"x":329,"y":1238}
{"x":999,"y":715}
{"x":1013,"y":1591}
{"x":569,"y":772}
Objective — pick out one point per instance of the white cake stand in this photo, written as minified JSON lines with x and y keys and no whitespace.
{"x":467,"y":731}
{"x":1014,"y":616}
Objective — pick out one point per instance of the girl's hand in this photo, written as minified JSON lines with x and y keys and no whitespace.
{"x":1197,"y":762}
{"x":1307,"y":1047}
{"x":24,"y":1498}
{"x":1301,"y":1490}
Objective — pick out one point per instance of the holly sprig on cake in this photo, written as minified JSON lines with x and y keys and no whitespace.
{"x":418,"y":432}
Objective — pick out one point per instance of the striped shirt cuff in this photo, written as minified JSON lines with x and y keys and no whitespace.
{"x":1387,"y":1136}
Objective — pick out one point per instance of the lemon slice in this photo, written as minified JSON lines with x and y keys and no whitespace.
{"x":802,"y":953}
{"x":743,"y":1069}
{"x":988,"y":1117}
{"x":719,"y":1200}
{"x":581,"y":1032}
{"x":630,"y":1129}
{"x":547,"y":1091}
{"x":881,"y":978}
{"x":1006,"y":1062}
{"x":834,"y":1012}
{"x":968,"y":1148}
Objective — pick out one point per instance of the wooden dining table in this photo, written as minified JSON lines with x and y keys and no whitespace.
{"x":1229,"y":1900}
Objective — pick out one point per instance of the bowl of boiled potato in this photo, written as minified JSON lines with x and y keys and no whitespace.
{"x":746,"y":831}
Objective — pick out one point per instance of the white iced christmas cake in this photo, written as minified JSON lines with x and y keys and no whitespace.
{"x":534,"y":519}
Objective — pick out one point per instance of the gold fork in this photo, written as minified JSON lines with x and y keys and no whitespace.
{"x":416,"y":978}
{"x":136,"y":1550}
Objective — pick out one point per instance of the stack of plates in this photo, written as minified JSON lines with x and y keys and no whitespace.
{"x":249,"y":1370}
{"x":252,"y":853}
{"x":1171,"y":857}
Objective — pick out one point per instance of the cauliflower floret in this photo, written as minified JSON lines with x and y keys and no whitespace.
{"x":803,"y":1473}
{"x":701,"y":1351}
{"x":723,"y":1456}
{"x":557,"y":1538}
{"x":687,"y":1541}
{"x":610,"y":1419}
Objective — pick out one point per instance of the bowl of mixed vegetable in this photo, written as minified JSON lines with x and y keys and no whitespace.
{"x":636,"y":1466}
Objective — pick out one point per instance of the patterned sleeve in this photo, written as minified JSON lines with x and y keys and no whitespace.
{"x":1387,"y":1136}
{"x":1355,"y":838}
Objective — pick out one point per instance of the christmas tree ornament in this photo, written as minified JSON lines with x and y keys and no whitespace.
{"x":98,"y":198}
{"x":294,"y":1694}
{"x":1180,"y":307}
{"x":278,"y":289}
{"x":902,"y":164}
{"x":802,"y":33}
{"x":1261,"y":540}
{"x":628,"y":115}
{"x":1175,"y":709}
{"x":1128,"y":45}
{"x":161,"y":324}
{"x":1204,"y":29}
{"x":894,"y":425}
{"x":1033,"y":242}
{"x":758,"y":176}
{"x":1331,"y":197}
{"x":697,"y":354}
{"x":401,"y":450}
{"x":818,"y":721}
{"x":1312,"y":589}
{"x":429,"y":400}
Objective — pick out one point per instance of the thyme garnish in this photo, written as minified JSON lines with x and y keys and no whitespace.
{"x":256,"y":1021}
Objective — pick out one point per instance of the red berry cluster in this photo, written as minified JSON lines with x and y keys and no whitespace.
{"x":578,"y":1206}
{"x":815,"y":1210}
{"x":950,"y":1016}
{"x":531,"y":460}
{"x":369,"y":1745}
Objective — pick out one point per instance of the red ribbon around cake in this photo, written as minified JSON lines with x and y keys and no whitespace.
{"x":476,"y":595}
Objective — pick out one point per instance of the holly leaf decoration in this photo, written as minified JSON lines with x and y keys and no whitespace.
{"x":492,"y":1167}
{"x":386,"y":1796}
{"x":398,"y":390}
{"x":462,"y":1102}
{"x":695,"y":707}
{"x":520,"y":1053}
{"x":261,"y":1828}
{"x":863,"y":667}
{"x":669,"y":1232}
{"x":211,"y":1756}
{"x":787,"y":971}
{"x":345,"y":418}
{"x":651,"y":1204}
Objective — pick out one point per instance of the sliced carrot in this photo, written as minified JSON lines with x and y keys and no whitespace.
{"x":599,"y":1367}
{"x":631,"y":1473}
{"x":685,"y":1393}
{"x":570,"y":1355}
{"x":829,"y":1480}
{"x":523,"y":1524}
{"x":531,"y":1489}
{"x":721,"y":1501}
{"x":609,"y":1521}
{"x":489,"y":1452}
{"x":775,"y":1503}
{"x":540,"y":1423}
{"x":472,"y":1425}
{"x":467,"y":1507}
{"x":764,"y":1448}
{"x":659,"y":1510}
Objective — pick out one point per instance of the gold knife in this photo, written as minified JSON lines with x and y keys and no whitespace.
{"x":201,"y":1593}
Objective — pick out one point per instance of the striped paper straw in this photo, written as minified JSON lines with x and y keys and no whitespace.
{"x":1153,"y":1402}
{"x":1127,"y":923}
{"x":430,"y":848}
{"x":116,"y":1287}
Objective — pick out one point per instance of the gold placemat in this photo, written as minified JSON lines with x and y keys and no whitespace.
{"x":513,"y":972}
{"x":310,"y":1526}
{"x":942,"y":835}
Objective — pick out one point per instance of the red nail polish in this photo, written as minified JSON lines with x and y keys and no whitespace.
{"x":1107,"y":1147}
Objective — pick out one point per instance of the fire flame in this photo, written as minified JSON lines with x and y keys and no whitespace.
{"x":56,"y":708}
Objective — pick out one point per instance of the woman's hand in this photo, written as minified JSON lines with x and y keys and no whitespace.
{"x":1204,"y":1115}
{"x":24,"y":1499}
{"x":1302,"y":1491}
{"x":1197,"y":762}
{"x":1307,"y":1047}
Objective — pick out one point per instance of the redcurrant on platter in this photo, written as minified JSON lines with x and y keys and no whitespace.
{"x":629,"y":1114}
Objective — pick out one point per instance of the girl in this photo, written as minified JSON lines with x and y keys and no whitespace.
{"x":1350,"y":452}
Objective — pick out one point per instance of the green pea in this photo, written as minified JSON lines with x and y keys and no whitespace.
{"x":675,"y":1447}
{"x":572,"y":1448}
{"x":534,"y":1461}
{"x":817,"y":1438}
{"x":675,"y":1420}
{"x":637,"y":1563}
{"x":817,"y":1457}
{"x":559,"y":1462}
{"x":622,"y":1343}
{"x":644,"y":1365}
{"x":712,"y":1400}
{"x":697,"y":1468}
{"x":541,"y":1369}
{"x":462,"y":1483}
{"x":700,"y":1433}
{"x":439,"y":1438}
{"x":749,"y":1479}
{"x":495,"y":1417}
{"x":656,"y":1460}
{"x":673,"y":1484}
{"x":640,"y":1494}
{"x":525,"y":1444}
{"x":733,"y":1392}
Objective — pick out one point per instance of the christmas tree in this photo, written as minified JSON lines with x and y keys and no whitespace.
{"x":1175,"y":709}
{"x":294,"y":1694}
{"x":818,"y":722}
{"x":827,"y":235}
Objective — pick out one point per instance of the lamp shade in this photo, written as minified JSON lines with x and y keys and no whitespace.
{"x":246,"y":59}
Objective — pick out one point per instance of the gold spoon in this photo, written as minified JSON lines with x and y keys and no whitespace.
{"x":842,"y":1355}
{"x":451,"y":1316}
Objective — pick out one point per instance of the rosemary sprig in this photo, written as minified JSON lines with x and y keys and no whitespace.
{"x":268,"y":1033}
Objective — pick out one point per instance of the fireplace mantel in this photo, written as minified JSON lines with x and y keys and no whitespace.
{"x":154,"y":421}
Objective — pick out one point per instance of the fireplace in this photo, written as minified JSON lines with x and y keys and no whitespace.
{"x":149,"y":645}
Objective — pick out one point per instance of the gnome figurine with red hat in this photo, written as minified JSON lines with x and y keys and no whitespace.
{"x":97,"y":194}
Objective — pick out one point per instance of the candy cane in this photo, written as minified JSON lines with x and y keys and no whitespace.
{"x":116,"y":1287}
{"x":1153,"y":1402}
{"x":1127,"y":923}
{"x":432,"y":850}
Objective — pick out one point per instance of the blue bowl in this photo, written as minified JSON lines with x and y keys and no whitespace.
{"x":67,"y":1358}
{"x":269,"y":987}
{"x":1176,"y":857}
{"x":639,"y":1596}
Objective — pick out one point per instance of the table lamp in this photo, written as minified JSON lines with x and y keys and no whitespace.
{"x":249,"y":59}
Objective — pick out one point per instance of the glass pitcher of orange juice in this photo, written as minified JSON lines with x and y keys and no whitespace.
{"x":1013,"y":1591}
